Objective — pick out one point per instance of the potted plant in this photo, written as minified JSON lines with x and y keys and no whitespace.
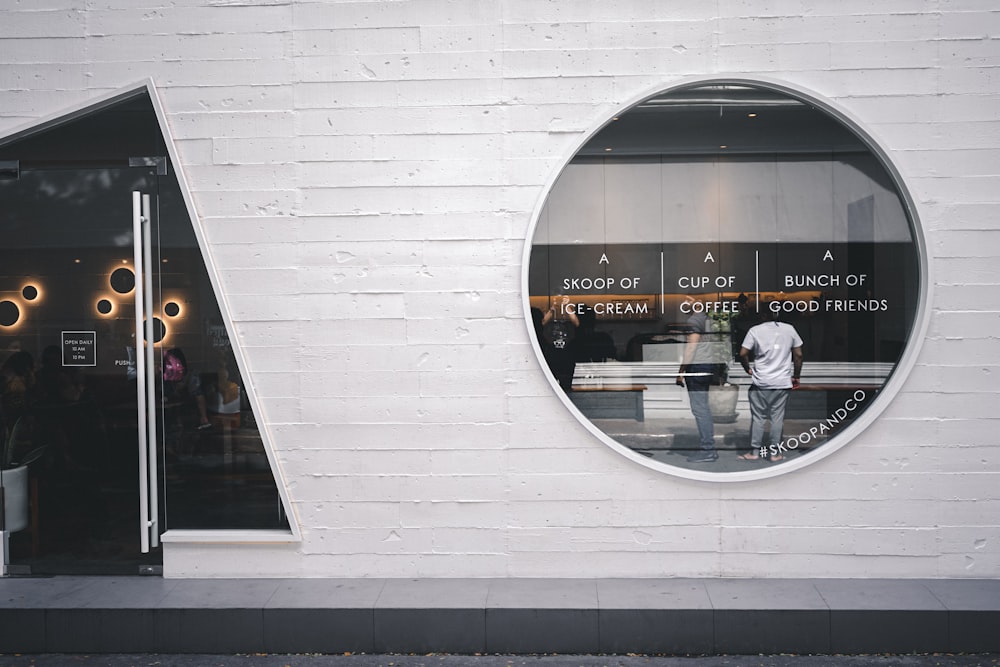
{"x":17,"y":451}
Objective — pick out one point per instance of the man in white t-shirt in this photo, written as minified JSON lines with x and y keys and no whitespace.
{"x":776,"y":350}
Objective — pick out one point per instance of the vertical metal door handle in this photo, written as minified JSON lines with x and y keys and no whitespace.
{"x":153,"y":517}
{"x":140,"y":371}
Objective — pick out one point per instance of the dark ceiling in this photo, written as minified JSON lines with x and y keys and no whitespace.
{"x":106,"y":135}
{"x":722,"y":120}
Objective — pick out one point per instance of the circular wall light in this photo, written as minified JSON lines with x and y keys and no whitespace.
{"x":122,"y":280}
{"x":9,"y":313}
{"x":29,"y":292}
{"x":647,"y":268}
{"x":159,"y":330}
{"x":171,"y":309}
{"x":104,"y":306}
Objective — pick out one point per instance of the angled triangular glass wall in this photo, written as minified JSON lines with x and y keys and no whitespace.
{"x":71,"y":408}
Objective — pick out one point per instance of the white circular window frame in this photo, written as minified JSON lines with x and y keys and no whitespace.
{"x":899,"y":373}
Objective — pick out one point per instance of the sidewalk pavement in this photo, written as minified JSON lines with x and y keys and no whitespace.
{"x":144,"y":615}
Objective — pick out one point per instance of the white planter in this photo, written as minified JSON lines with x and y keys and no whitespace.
{"x":722,"y":402}
{"x":15,"y":492}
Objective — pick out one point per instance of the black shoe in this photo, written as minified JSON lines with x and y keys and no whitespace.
{"x":706,"y":456}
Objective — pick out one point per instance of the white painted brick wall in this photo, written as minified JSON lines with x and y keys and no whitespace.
{"x":366,"y":173}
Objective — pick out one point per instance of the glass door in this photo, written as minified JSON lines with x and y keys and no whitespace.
{"x":117,"y":426}
{"x":81,"y":406}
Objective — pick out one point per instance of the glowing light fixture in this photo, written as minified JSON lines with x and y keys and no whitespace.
{"x":9,"y":313}
{"x":122,"y":280}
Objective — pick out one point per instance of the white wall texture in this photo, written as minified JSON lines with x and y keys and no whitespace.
{"x":366,"y":174}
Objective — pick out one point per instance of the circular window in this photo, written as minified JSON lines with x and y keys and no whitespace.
{"x":725,"y":279}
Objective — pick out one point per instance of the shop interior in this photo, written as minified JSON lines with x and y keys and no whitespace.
{"x":733,"y":201}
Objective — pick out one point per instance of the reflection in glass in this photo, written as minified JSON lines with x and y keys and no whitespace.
{"x":696,"y":216}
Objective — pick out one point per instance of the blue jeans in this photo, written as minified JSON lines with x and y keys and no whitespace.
{"x":700,"y":377}
{"x":766,"y":404}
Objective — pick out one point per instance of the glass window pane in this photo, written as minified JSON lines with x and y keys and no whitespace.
{"x":740,"y":216}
